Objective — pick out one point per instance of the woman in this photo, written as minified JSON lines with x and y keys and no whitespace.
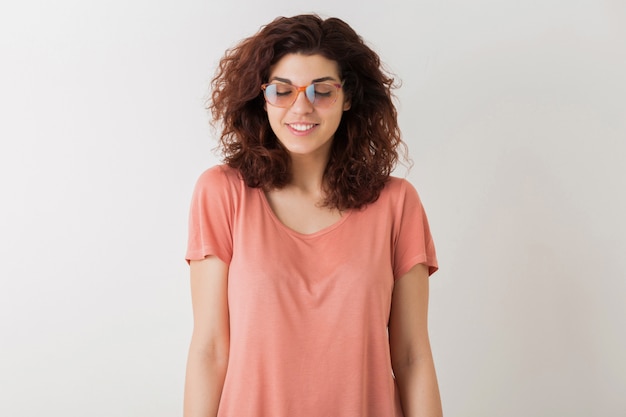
{"x":309,"y":262}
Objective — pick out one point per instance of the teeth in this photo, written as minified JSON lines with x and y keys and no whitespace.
{"x":302,"y":127}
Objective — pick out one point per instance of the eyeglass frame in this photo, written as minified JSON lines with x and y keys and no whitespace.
{"x":300,"y":89}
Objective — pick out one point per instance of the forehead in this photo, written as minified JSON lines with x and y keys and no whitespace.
{"x":302,"y":69}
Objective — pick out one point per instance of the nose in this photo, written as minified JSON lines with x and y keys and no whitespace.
{"x":302,"y":103}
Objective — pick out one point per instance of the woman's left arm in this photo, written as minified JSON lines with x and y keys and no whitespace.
{"x":411,"y":356}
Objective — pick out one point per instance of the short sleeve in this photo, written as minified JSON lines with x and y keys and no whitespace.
{"x":210,"y":217}
{"x":413,"y":244}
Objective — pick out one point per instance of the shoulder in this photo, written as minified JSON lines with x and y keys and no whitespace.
{"x":220,"y":179}
{"x":219,"y":175}
{"x":397,"y":197}
{"x":219,"y":184}
{"x":397,"y":190}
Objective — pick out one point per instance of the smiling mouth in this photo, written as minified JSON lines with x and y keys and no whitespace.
{"x":301,"y":127}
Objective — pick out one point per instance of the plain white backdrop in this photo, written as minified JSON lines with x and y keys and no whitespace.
{"x":515,"y":115}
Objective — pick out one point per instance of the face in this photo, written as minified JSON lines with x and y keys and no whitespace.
{"x":303,"y":128}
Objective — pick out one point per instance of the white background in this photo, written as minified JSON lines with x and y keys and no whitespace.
{"x":515,"y":114}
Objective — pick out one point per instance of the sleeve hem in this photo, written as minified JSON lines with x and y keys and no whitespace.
{"x":423,"y":258}
{"x":198,"y":255}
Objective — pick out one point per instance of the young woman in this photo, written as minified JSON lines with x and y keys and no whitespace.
{"x":309,"y":262}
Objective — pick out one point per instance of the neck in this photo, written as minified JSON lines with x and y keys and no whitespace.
{"x":308,"y":173}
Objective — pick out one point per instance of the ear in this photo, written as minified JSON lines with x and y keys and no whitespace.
{"x":346,"y":105}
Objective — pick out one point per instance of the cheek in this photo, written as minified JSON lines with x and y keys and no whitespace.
{"x":274,"y":119}
{"x":336,"y":118}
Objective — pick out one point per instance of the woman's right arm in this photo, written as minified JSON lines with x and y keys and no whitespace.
{"x":210,"y":341}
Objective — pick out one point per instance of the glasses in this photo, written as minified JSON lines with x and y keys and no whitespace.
{"x":284,"y":95}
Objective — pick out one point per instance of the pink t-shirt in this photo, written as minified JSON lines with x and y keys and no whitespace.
{"x":308,"y":312}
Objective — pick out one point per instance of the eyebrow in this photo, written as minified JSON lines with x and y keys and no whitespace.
{"x":317,"y":80}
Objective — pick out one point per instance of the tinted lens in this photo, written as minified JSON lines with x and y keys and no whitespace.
{"x":321,"y":94}
{"x":280,"y":94}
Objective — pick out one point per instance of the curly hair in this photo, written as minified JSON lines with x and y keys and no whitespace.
{"x":365,"y":146}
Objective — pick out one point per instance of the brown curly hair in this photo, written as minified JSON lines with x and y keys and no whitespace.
{"x":365,"y":146}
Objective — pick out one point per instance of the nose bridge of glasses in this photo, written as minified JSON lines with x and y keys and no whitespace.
{"x":308,"y":90}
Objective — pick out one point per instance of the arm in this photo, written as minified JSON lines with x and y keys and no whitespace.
{"x":411,"y":357}
{"x":208,"y":352}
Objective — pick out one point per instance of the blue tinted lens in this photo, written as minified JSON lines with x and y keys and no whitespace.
{"x":270,"y":93}
{"x":310,"y":93}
